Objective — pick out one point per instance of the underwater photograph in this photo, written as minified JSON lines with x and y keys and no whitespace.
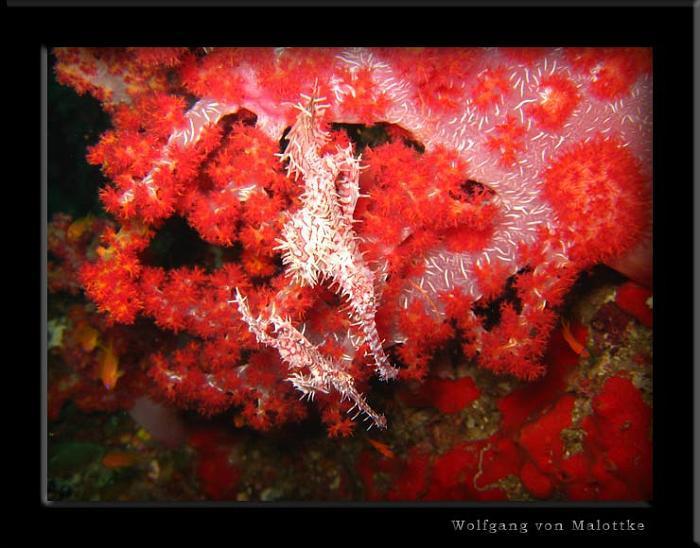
{"x":349,"y":274}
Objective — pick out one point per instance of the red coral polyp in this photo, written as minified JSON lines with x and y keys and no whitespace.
{"x":490,"y":88}
{"x":508,"y":141}
{"x":611,"y":71}
{"x":599,"y":193}
{"x":558,"y":99}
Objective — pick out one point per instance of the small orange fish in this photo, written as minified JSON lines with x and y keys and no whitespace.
{"x":119,"y":459}
{"x":571,"y":340}
{"x":382,"y":448}
{"x":87,"y":336}
{"x":109,"y":367}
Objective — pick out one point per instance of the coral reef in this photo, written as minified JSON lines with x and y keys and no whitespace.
{"x":418,"y":215}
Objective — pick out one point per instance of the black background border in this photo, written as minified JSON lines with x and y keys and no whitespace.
{"x":669,"y":31}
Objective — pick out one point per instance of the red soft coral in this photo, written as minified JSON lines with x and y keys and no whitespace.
{"x":599,"y":193}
